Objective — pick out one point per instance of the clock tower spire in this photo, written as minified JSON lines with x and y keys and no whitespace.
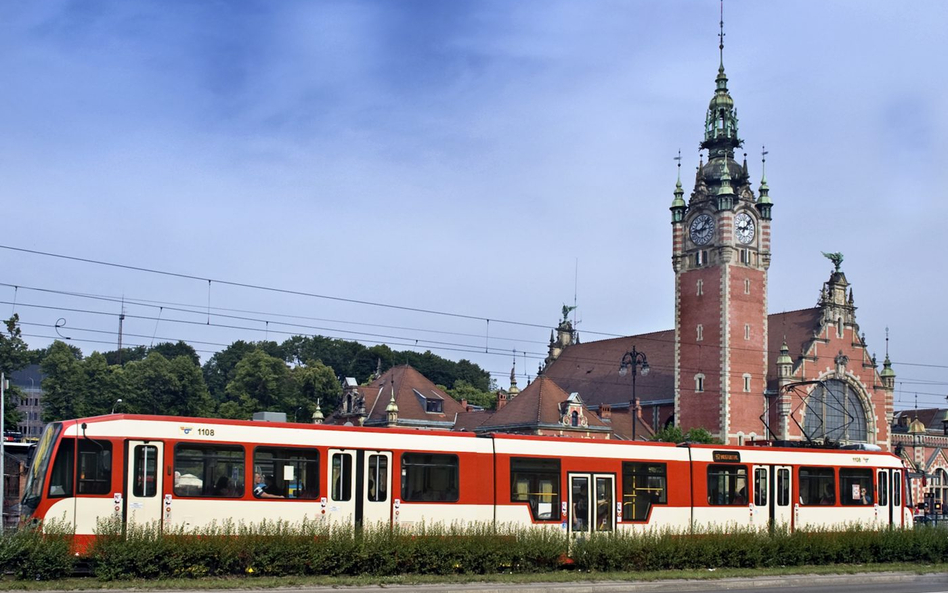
{"x":720,"y":254}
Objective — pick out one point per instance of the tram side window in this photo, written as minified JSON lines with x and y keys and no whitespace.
{"x":760,"y":486}
{"x":145,"y":470}
{"x":817,"y":486}
{"x":429,"y":477}
{"x":290,"y":473}
{"x":727,"y":485}
{"x":60,"y":479}
{"x":200,"y":469}
{"x":536,"y":482}
{"x":783,"y":487}
{"x":897,"y":488}
{"x":95,"y":467}
{"x":643,"y":485}
{"x":378,"y":478}
{"x":855,"y":486}
{"x":341,"y":476}
{"x":883,"y":488}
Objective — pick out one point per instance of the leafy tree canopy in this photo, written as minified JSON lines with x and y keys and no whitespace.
{"x":673,"y":434}
{"x":314,"y":383}
{"x":261,"y":383}
{"x":126,"y":355}
{"x":14,"y":355}
{"x":465,"y":391}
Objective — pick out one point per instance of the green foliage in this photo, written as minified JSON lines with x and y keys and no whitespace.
{"x":126,"y":355}
{"x":220,"y":368}
{"x":673,"y":434}
{"x":14,"y":355}
{"x":312,"y":383}
{"x":38,"y":554}
{"x":465,"y":391}
{"x":261,"y":383}
{"x":179,"y":348}
{"x":158,"y":385}
{"x":63,"y":376}
{"x":279,"y":548}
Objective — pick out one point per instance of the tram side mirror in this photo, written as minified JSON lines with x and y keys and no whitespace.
{"x":105,"y":461}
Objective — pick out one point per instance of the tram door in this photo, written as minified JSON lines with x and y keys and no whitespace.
{"x":359,"y":486}
{"x":772,"y":490}
{"x":888,"y":496}
{"x":376,"y":472}
{"x":341,"y":502}
{"x":143,"y":498}
{"x":591,"y":504}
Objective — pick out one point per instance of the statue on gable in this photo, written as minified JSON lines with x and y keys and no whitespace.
{"x":836,"y":258}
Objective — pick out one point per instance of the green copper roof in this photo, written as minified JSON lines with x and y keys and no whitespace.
{"x":784,"y":357}
{"x":887,"y":368}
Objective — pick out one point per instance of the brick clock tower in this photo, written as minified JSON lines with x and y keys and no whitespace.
{"x":721,"y":253}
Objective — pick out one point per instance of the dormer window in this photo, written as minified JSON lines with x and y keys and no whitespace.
{"x":432,"y":403}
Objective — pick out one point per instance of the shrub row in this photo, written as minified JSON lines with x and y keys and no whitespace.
{"x":623,"y":551}
{"x":279,"y":549}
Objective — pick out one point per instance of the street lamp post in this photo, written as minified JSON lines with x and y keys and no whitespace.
{"x":633,"y":359}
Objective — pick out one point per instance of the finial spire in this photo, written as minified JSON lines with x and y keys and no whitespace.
{"x":887,"y":341}
{"x":678,"y":204}
{"x":721,"y":37}
{"x":763,"y":165}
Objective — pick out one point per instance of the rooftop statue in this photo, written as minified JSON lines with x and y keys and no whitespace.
{"x":836,"y":258}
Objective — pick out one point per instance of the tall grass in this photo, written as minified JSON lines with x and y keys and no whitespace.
{"x":279,"y":548}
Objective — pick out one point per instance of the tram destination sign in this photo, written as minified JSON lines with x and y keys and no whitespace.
{"x":726,"y":456}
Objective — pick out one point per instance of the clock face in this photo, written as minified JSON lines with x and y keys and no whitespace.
{"x":702,"y":229}
{"x":744,"y":224}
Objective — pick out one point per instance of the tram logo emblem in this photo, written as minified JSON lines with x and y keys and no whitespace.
{"x":186,"y":429}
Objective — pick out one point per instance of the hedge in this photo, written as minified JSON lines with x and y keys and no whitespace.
{"x":280,"y":549}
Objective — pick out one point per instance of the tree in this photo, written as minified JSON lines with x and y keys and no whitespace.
{"x":180,"y":348}
{"x":673,"y":434}
{"x":261,"y":383}
{"x":465,"y":391}
{"x":219,"y":369}
{"x":173,"y":387}
{"x":314,"y":383}
{"x":126,"y":355}
{"x":99,"y":386}
{"x":63,"y":374}
{"x":14,"y":355}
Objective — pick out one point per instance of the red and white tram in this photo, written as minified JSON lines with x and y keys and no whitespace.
{"x":189,"y":472}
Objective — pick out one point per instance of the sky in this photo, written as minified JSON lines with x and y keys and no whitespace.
{"x":451,"y":173}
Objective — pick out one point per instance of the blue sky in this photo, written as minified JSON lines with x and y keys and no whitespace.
{"x":466,"y":157}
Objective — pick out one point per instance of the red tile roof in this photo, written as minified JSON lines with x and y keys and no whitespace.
{"x":410,"y":387}
{"x":538,"y":404}
{"x":592,"y":369}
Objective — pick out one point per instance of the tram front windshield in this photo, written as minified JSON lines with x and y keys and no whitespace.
{"x":35,"y":479}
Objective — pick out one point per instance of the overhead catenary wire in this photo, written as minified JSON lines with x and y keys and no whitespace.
{"x":364,"y":336}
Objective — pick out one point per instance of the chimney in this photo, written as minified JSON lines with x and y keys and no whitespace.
{"x":605,"y":411}
{"x":501,"y":399}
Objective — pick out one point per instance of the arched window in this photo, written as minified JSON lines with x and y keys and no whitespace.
{"x":939,"y":487}
{"x":574,"y":418}
{"x":835,"y":413}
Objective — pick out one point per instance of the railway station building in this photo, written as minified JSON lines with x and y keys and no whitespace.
{"x":729,"y":365}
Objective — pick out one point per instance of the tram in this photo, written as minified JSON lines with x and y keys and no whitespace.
{"x":185,"y":473}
